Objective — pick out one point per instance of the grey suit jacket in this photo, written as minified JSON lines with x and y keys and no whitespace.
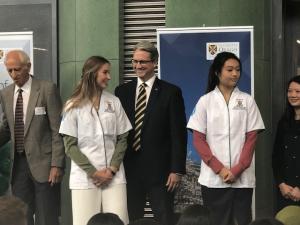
{"x":43,"y":144}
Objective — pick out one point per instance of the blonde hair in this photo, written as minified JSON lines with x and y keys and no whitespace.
{"x":87,"y":88}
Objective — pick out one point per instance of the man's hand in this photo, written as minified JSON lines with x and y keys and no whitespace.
{"x":55,"y":175}
{"x":173,"y":181}
{"x":102,"y":177}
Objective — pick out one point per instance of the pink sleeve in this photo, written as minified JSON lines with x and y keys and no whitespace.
{"x":202,"y":147}
{"x":246,"y":154}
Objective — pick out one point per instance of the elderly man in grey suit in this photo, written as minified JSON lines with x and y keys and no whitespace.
{"x":31,"y":119}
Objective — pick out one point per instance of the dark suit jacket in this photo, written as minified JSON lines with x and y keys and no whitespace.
{"x":43,"y":144}
{"x":286,"y":154}
{"x":163,"y":135}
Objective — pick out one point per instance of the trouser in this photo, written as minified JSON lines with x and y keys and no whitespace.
{"x":160,"y":199}
{"x":42,"y":199}
{"x":229,"y":206}
{"x":88,"y":202}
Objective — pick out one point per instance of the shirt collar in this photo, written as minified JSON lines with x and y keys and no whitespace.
{"x":149,"y":82}
{"x":236,"y":89}
{"x":26,"y":87}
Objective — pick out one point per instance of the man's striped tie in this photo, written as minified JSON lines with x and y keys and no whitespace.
{"x":19,"y":124}
{"x":140,"y":108}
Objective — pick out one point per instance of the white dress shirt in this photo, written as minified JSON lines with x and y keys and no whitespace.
{"x":148,"y":88}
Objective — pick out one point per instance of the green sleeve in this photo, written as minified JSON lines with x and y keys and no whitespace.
{"x":72,"y":150}
{"x":119,"y":152}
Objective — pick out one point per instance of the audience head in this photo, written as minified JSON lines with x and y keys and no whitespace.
{"x":289,"y":215}
{"x":195,"y":215}
{"x":266,"y":221}
{"x":105,"y":219}
{"x":144,"y":221}
{"x":12,"y":211}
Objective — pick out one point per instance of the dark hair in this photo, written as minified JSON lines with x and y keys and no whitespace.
{"x":289,"y":114}
{"x":144,"y":221}
{"x":195,"y":215}
{"x":266,"y":221}
{"x":105,"y":219}
{"x":216,"y":68}
{"x":12,"y":211}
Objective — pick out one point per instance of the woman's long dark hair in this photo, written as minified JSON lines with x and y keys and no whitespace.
{"x":216,"y":68}
{"x":289,"y":113}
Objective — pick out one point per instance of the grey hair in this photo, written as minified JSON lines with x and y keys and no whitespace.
{"x":24,"y":58}
{"x":147,"y":47}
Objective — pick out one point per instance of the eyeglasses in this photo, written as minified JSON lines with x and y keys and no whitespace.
{"x":141,"y":62}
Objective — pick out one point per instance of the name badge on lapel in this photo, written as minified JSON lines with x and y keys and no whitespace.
{"x":39,"y":111}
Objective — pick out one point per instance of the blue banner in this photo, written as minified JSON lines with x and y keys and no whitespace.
{"x":185,"y":57}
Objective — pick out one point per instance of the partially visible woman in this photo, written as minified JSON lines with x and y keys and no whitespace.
{"x":95,"y":129}
{"x":286,"y":151}
{"x":225,"y":124}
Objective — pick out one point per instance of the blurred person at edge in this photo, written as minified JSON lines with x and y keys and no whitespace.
{"x":286,"y":151}
{"x":195,"y":215}
{"x":13,"y":211}
{"x":105,"y":219}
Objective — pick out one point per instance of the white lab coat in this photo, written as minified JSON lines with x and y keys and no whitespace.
{"x":96,"y":137}
{"x":225,"y":128}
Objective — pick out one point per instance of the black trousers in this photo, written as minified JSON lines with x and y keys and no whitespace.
{"x":42,"y":199}
{"x":160,"y":199}
{"x":229,"y":206}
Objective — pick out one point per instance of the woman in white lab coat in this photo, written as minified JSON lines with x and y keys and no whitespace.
{"x":95,"y":129}
{"x":225,"y":123}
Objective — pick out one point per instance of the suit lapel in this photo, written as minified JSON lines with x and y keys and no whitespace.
{"x":152,"y":99}
{"x":34,"y":94}
{"x":131,"y":100}
{"x":10,"y":105}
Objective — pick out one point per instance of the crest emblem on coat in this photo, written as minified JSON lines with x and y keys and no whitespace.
{"x":240,"y":104}
{"x":109,"y":107}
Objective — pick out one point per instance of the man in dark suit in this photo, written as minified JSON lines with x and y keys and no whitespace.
{"x":31,"y":119}
{"x":156,"y":154}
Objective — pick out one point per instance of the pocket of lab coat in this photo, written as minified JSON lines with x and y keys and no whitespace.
{"x":108,"y":122}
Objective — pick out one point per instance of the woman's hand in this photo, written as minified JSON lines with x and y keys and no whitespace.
{"x":226,"y":175}
{"x":295,"y":194}
{"x":285,"y":190}
{"x":102,"y":177}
